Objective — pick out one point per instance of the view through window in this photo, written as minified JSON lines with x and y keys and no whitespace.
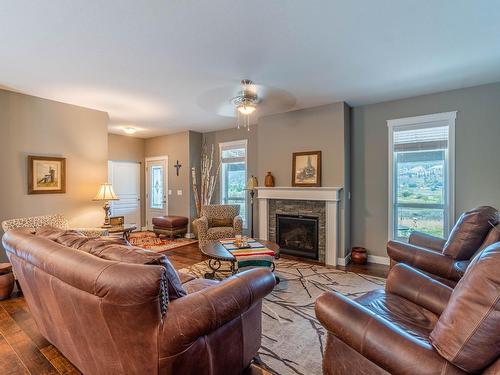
{"x":421,"y":176}
{"x":234,"y":175}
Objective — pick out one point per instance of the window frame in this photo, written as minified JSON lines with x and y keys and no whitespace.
{"x":419,"y":122}
{"x":242,"y":143}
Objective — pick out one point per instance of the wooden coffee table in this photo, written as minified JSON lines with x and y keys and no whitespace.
{"x":217,"y":254}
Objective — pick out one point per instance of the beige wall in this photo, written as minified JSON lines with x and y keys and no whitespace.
{"x":34,"y":126}
{"x":176,"y":147}
{"x":477,"y":175}
{"x":124,"y":148}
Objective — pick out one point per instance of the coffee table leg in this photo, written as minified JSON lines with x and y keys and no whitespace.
{"x":234,"y":271}
{"x":214,"y":265}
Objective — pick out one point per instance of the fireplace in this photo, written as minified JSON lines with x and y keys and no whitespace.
{"x":298,"y":235}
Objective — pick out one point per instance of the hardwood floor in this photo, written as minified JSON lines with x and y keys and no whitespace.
{"x":23,"y":350}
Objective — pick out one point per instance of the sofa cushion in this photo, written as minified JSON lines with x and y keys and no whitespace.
{"x":50,"y":232}
{"x":467,"y":334}
{"x":469,"y":232}
{"x":115,"y":249}
{"x":131,"y":254}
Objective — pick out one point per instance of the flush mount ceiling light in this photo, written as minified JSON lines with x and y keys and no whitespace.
{"x":245,"y":103}
{"x":130,"y":130}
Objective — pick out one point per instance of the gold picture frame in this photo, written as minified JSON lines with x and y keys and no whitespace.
{"x":46,"y":175}
{"x":306,"y":169}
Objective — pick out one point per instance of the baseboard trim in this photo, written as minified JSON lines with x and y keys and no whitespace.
{"x":344,"y":261}
{"x":378,"y":259}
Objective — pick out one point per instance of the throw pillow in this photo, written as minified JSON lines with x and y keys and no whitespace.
{"x":222,"y":222}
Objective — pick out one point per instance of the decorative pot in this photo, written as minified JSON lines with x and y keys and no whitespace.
{"x":6,"y":281}
{"x":359,"y":255}
{"x":269,"y":180}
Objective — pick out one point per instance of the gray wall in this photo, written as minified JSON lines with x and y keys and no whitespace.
{"x":176,"y":146}
{"x":35,"y":126}
{"x":125,"y":148}
{"x":477,"y":175}
{"x":195,"y":145}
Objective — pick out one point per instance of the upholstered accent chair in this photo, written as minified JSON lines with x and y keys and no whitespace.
{"x":218,"y":221}
{"x":56,"y":221}
{"x":446,"y":259}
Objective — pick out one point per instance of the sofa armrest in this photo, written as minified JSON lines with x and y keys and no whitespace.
{"x":419,"y":288}
{"x":427,"y":241}
{"x":377,"y":339}
{"x":196,"y":315}
{"x":238,"y":224}
{"x":423,"y":259}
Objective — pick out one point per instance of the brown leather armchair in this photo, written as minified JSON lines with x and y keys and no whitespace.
{"x":115,"y":309}
{"x":446,"y":260}
{"x":417,"y":325}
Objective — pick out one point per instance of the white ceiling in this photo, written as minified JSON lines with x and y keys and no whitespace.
{"x":148,"y":63}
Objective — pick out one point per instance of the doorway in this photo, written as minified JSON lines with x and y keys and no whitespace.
{"x":126,"y":180}
{"x":156,"y":188}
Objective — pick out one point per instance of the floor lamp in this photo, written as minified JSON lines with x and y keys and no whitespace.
{"x":251,"y":185}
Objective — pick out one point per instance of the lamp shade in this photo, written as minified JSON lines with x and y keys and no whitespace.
{"x":106,"y":193}
{"x":252,"y":183}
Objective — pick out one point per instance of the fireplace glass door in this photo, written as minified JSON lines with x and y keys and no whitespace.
{"x":297,"y":235}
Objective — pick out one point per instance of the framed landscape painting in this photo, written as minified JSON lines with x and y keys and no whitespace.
{"x":306,"y":169}
{"x":46,"y":175}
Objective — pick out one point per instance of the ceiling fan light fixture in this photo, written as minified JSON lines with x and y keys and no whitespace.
{"x":246,"y":109}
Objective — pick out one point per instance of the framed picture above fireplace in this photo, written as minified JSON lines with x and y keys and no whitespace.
{"x":306,"y":169}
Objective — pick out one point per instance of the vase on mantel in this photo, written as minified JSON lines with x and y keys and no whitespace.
{"x":269,"y":180}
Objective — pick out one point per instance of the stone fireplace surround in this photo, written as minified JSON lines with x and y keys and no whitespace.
{"x":322,"y":202}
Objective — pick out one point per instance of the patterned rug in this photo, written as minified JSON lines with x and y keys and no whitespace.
{"x":148,"y":240}
{"x":292,"y":337}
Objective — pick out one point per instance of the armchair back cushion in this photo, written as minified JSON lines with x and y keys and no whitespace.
{"x":475,"y":303}
{"x":469,"y":232}
{"x":217,"y":213}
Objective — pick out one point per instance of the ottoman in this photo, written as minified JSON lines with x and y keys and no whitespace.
{"x":170,"y":225}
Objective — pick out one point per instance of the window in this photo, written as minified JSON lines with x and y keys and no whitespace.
{"x":234,"y":175}
{"x":421,"y":175}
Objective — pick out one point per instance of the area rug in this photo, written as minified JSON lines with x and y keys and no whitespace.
{"x":148,"y":240}
{"x":292,"y":338}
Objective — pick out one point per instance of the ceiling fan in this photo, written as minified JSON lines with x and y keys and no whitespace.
{"x":246,"y":101}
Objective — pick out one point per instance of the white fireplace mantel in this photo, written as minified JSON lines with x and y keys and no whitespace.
{"x":331,"y":197}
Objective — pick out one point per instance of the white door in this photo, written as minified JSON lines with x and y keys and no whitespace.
{"x":126,"y":180}
{"x":156,"y":189}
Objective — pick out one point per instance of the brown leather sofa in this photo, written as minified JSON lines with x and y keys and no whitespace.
{"x":446,"y":260}
{"x":417,"y":325}
{"x":114,"y":309}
